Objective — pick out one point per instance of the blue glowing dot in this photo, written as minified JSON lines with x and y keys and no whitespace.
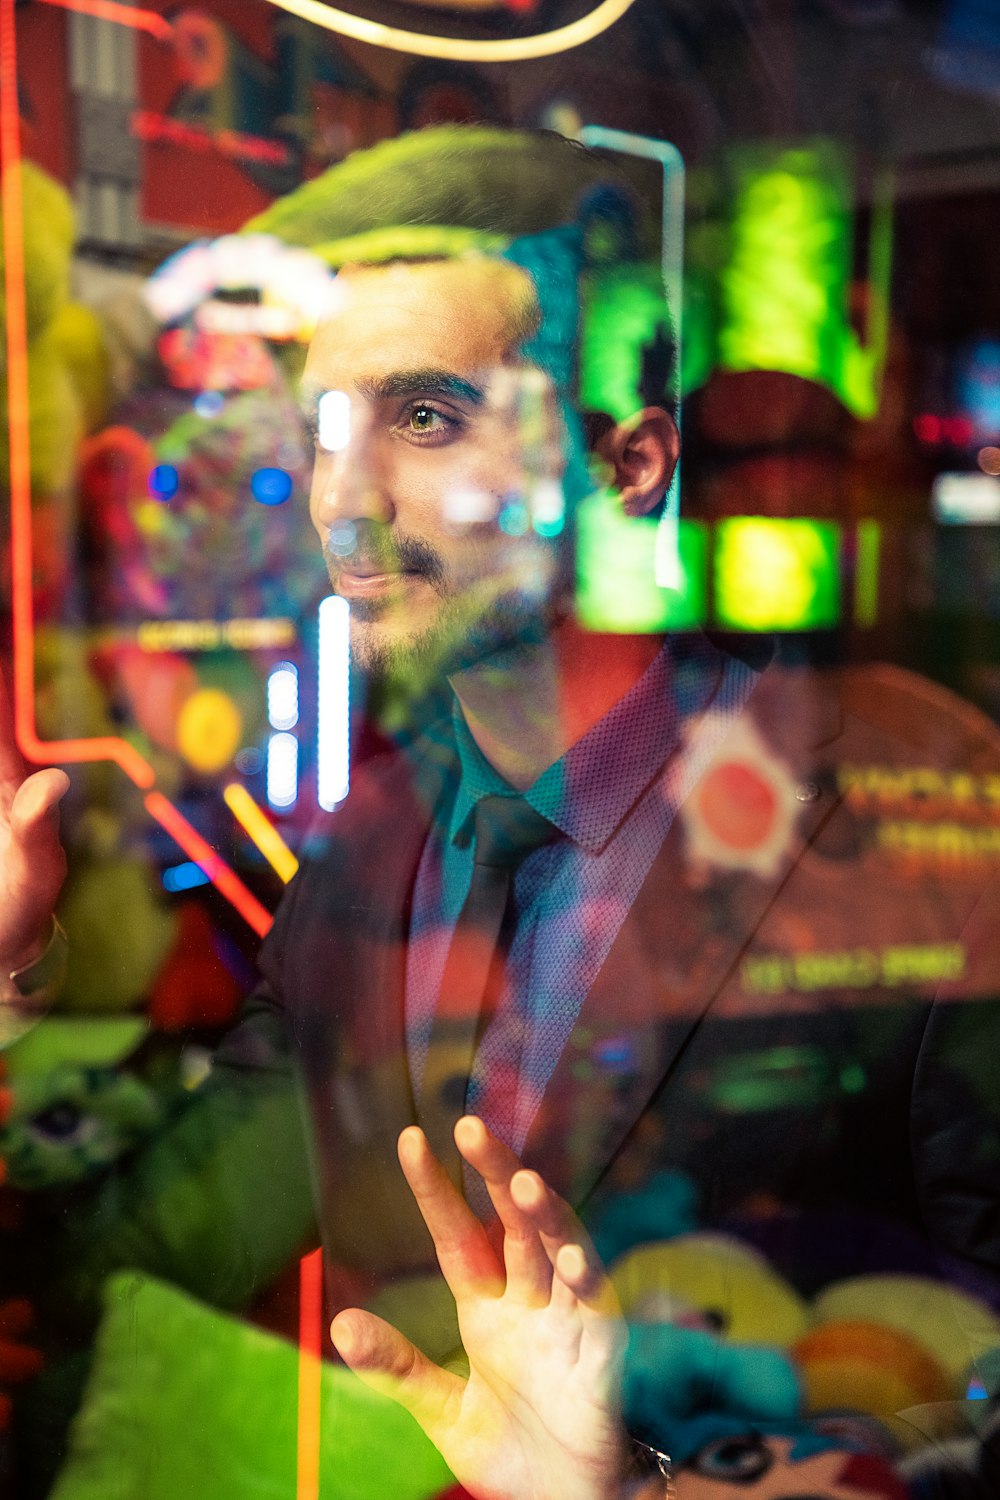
{"x":513,"y":519}
{"x":977,"y":1391}
{"x":164,"y":482}
{"x":209,"y":403}
{"x":549,"y":528}
{"x":271,"y":486}
{"x":184,"y":877}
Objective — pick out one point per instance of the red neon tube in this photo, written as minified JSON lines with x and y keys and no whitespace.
{"x":125,"y":15}
{"x":46,"y":752}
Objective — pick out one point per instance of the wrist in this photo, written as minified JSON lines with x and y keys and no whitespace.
{"x":27,"y":990}
{"x":650,"y":1474}
{"x":26,"y":957}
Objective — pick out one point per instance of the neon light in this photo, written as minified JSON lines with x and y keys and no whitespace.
{"x":296,"y":288}
{"x":668,"y":565}
{"x":282,"y":771}
{"x":209,"y":635}
{"x":334,"y":768}
{"x":109,"y":747}
{"x":773,"y":574}
{"x":617,"y":591}
{"x":548,"y":507}
{"x":226,"y":880}
{"x":263,"y":832}
{"x":209,"y":404}
{"x":334,"y":417}
{"x":419,"y":44}
{"x":116,"y":750}
{"x":310,"y":1371}
{"x":283,"y":696}
{"x":185,"y":877}
{"x":271,"y":486}
{"x":785,"y":287}
{"x":866,"y":574}
{"x":147,"y":125}
{"x":124,"y":15}
{"x":164,"y":482}
{"x":966,"y":499}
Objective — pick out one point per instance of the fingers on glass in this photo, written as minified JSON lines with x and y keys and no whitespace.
{"x":528,"y":1268}
{"x":467,"y":1260}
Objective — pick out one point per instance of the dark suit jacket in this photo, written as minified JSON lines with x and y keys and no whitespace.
{"x":801,"y":1028}
{"x":802,"y":1021}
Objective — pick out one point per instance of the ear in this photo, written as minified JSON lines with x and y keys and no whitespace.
{"x":642,"y":453}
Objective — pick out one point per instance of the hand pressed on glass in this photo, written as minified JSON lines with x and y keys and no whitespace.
{"x":539,"y":1417}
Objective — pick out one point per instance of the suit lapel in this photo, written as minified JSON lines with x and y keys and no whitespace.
{"x":675,"y":953}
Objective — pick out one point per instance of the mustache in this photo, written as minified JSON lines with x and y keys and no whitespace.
{"x":383,"y":549}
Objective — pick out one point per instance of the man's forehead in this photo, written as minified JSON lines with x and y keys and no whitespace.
{"x":462,"y":314}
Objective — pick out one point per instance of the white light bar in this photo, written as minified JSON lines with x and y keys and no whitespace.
{"x":283,"y":696}
{"x":333,"y":763}
{"x":334,"y":417}
{"x":282,"y":770}
{"x":966,"y":499}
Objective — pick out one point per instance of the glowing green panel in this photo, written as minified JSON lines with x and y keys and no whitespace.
{"x":625,"y":314}
{"x":785,"y":285}
{"x":617,"y":590}
{"x":866,"y":571}
{"x":777,"y":574}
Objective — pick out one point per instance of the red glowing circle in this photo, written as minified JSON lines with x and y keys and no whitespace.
{"x":737,"y":805}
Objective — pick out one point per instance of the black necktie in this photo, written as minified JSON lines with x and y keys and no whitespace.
{"x":505,"y":831}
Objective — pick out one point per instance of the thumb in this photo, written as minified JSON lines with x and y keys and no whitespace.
{"x":36,"y":802}
{"x":388,"y":1363}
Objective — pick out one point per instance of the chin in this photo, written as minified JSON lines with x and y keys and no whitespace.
{"x":452,"y":641}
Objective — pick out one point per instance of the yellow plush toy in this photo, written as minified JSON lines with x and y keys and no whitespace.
{"x":68,"y":382}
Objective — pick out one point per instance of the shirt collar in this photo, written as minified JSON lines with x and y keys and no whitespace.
{"x":589,"y":792}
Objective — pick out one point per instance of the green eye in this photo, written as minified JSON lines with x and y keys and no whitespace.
{"x":422,"y":418}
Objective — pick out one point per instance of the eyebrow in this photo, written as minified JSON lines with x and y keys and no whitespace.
{"x":429,"y":382}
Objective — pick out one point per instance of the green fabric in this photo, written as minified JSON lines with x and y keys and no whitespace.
{"x":186,"y":1402}
{"x":87,"y":1042}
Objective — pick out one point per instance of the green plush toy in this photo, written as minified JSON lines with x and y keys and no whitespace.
{"x":183,"y":1401}
{"x":73,"y":1107}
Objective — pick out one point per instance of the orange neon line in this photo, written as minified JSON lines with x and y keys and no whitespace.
{"x":310,"y":1373}
{"x":214,"y":866}
{"x":125,"y":15}
{"x":104,"y":748}
{"x":108,"y":747}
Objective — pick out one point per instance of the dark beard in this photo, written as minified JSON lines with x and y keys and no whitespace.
{"x":462,"y":636}
{"x":456,"y":641}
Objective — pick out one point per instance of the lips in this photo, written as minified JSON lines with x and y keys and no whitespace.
{"x":369,"y":580}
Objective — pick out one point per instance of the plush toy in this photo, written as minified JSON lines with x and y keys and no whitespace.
{"x":661,"y":1208}
{"x":709,"y":1328}
{"x":949,"y":1325}
{"x":68,"y":373}
{"x":712,"y":1281}
{"x":73,"y":1107}
{"x":184,"y":1401}
{"x":868,"y":1367}
{"x":716,"y":1459}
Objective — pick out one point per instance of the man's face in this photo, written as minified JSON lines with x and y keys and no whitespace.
{"x":426,"y":454}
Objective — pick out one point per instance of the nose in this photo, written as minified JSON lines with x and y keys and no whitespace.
{"x":351,"y":473}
